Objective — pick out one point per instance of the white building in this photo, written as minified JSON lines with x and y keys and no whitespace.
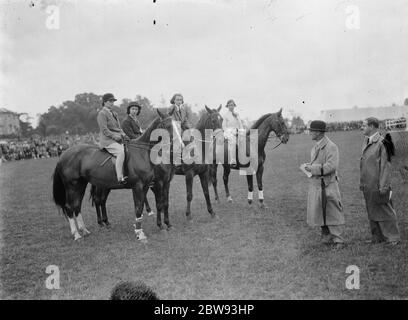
{"x":355,"y":114}
{"x":9,"y":122}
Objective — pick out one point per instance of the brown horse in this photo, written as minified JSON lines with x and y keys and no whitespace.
{"x":264,"y":125}
{"x":81,"y":165}
{"x":163,"y":174}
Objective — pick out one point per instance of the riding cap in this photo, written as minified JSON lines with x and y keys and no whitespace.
{"x":318,"y":125}
{"x":107,"y":97}
{"x":133,"y":104}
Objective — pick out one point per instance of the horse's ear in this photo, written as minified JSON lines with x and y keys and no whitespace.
{"x":280,"y":112}
{"x":161,"y":115}
{"x":219,"y":108}
{"x":208,"y":109}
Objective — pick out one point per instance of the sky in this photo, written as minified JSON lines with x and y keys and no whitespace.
{"x":302,"y":56}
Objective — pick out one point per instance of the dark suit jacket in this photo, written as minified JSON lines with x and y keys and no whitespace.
{"x":184,"y":116}
{"x":131,"y":127}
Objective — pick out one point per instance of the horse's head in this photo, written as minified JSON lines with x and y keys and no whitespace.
{"x":279,"y":127}
{"x":213,"y":119}
{"x":168,"y":123}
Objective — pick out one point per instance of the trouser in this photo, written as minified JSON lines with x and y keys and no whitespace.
{"x":332,"y":234}
{"x":119,"y":152}
{"x":384,"y":231}
{"x":232,"y":148}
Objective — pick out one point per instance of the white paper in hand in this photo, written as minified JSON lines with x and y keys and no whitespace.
{"x":307,"y":173}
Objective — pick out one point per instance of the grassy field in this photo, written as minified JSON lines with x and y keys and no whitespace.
{"x":245,"y":253}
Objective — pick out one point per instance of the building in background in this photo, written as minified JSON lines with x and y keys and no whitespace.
{"x":359,"y":114}
{"x":9,"y":122}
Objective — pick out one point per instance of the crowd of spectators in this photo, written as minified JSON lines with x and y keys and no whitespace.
{"x":40,"y":148}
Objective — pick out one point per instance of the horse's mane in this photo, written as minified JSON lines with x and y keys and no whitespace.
{"x":260,"y":120}
{"x":149,"y":128}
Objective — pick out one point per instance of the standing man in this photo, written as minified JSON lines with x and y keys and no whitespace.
{"x":130,"y":124}
{"x":231,"y":124}
{"x":324,"y":208}
{"x":111,"y":134}
{"x":375,"y":169}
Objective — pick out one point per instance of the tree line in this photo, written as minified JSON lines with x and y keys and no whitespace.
{"x":79,"y":116}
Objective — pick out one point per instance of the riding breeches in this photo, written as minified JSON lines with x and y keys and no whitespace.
{"x":118,"y":151}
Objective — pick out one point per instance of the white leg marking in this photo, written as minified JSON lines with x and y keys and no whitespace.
{"x":260,"y":195}
{"x":81,"y":225}
{"x":74,"y":230}
{"x":250,"y":195}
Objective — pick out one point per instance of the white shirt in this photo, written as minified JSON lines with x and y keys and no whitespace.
{"x":231,"y":123}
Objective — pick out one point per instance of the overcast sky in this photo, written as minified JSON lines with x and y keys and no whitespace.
{"x":299,"y":55}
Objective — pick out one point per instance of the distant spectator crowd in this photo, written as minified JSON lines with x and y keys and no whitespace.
{"x":41,"y":148}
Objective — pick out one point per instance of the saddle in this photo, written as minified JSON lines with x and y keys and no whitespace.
{"x":110,"y":156}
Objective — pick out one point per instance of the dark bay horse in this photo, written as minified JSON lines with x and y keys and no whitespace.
{"x":164,"y":173}
{"x":210,"y":120}
{"x":265,"y":124}
{"x":80,"y":165}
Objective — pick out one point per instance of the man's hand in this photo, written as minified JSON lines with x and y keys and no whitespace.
{"x":308,"y":167}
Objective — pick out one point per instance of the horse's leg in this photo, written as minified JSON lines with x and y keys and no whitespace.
{"x":189,"y":187}
{"x":80,"y":195}
{"x":148,"y":208}
{"x":95,"y":194}
{"x":250,"y":180}
{"x":104,"y":198}
{"x":225,"y":177}
{"x":213,"y":180}
{"x":158,"y":195}
{"x":166,"y":190}
{"x":259,"y":174}
{"x":138,"y":199}
{"x":73,"y":201}
{"x":204,"y":185}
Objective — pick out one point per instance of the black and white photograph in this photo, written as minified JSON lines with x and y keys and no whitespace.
{"x":191,"y":150}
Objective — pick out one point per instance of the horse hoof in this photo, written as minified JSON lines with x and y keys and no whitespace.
{"x":101,"y":225}
{"x":249,"y":202}
{"x":140,"y":235}
{"x":151,"y":213}
{"x":229,"y":199}
{"x":170,"y":227}
{"x":86,"y":232}
{"x":161,"y":227}
{"x":213,"y":216}
{"x":77,"y":237}
{"x":189,"y":217}
{"x":108,"y":225}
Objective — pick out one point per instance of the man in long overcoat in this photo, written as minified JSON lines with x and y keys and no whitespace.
{"x":324,"y":207}
{"x":375,"y":169}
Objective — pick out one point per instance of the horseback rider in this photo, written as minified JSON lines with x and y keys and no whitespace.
{"x":131,"y":124}
{"x":180,"y":113}
{"x":111,"y":134}
{"x":231,"y":125}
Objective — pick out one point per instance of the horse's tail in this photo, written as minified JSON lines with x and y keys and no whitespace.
{"x":389,"y":146}
{"x":92,"y":195}
{"x":58,"y":189}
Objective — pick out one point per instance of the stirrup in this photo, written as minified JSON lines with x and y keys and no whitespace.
{"x":123,"y":180}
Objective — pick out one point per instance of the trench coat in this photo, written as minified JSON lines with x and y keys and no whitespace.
{"x":375,"y":172}
{"x":109,"y":126}
{"x":325,"y":156}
